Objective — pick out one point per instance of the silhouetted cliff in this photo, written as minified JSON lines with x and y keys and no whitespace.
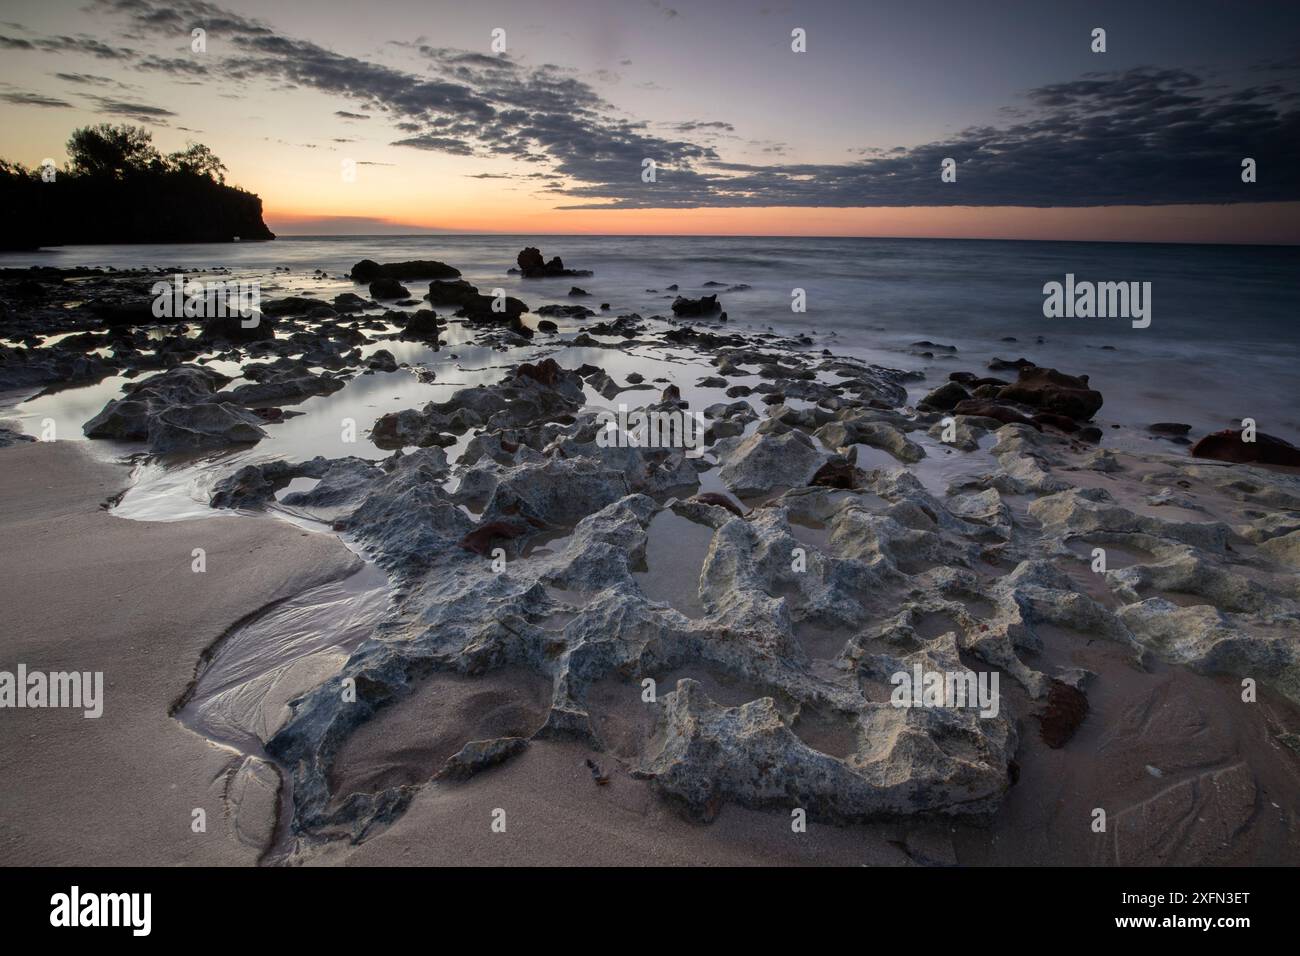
{"x":117,"y":189}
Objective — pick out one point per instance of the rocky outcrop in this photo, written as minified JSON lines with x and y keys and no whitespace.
{"x":945,"y":397}
{"x":253,"y":487}
{"x":704,"y":755}
{"x":185,"y":428}
{"x":423,"y":326}
{"x":761,"y":464}
{"x":533,"y":266}
{"x":1048,"y":390}
{"x":128,"y":418}
{"x":687,"y":308}
{"x":386,"y":287}
{"x":367,"y":270}
{"x":1229,"y":445}
{"x":283,"y":382}
{"x":518,"y":539}
{"x":9,"y":437}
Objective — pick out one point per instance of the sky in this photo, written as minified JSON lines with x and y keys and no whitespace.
{"x":539,"y":117}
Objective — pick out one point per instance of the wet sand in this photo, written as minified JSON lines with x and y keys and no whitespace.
{"x":83,"y":590}
{"x":1186,"y":772}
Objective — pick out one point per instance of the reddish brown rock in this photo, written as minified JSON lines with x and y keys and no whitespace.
{"x":997,"y":412}
{"x":547,"y":371}
{"x":1227,"y":445}
{"x":1066,"y":708}
{"x":1055,"y":392}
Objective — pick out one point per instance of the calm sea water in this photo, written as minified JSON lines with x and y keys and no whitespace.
{"x":1223,"y":343}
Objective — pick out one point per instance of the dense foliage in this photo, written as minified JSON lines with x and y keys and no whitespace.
{"x":117,"y":187}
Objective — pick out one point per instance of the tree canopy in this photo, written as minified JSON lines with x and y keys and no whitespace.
{"x":115,"y":152}
{"x":117,"y":187}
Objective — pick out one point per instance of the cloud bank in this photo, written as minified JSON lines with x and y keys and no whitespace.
{"x":1145,"y":136}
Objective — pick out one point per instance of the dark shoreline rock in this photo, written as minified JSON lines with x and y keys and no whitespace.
{"x":705,"y":305}
{"x":533,"y":266}
{"x":1055,"y":392}
{"x":1227,"y":445}
{"x":367,"y":270}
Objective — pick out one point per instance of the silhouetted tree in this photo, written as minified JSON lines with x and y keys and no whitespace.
{"x":118,"y":188}
{"x":108,"y":150}
{"x":197,"y":160}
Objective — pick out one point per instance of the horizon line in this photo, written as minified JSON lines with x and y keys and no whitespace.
{"x":656,"y":235}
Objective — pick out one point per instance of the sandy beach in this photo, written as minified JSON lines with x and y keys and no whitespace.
{"x":469,"y":630}
{"x":87,"y":591}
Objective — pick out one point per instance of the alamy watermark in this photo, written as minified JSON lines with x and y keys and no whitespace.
{"x":214,"y":299}
{"x":1102,"y":300}
{"x":651,"y":429}
{"x":23,"y":688}
{"x":73,"y":909}
{"x":957,"y":689}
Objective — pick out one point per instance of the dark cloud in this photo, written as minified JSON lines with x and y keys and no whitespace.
{"x":136,"y":111}
{"x":173,"y":66}
{"x":69,"y":44}
{"x":441,"y":144}
{"x":33,"y":99}
{"x":346,"y":115}
{"x":1141,"y":136}
{"x":87,"y":79}
{"x":694,"y":126}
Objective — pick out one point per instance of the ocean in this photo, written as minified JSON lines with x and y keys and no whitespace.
{"x":1222,"y":343}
